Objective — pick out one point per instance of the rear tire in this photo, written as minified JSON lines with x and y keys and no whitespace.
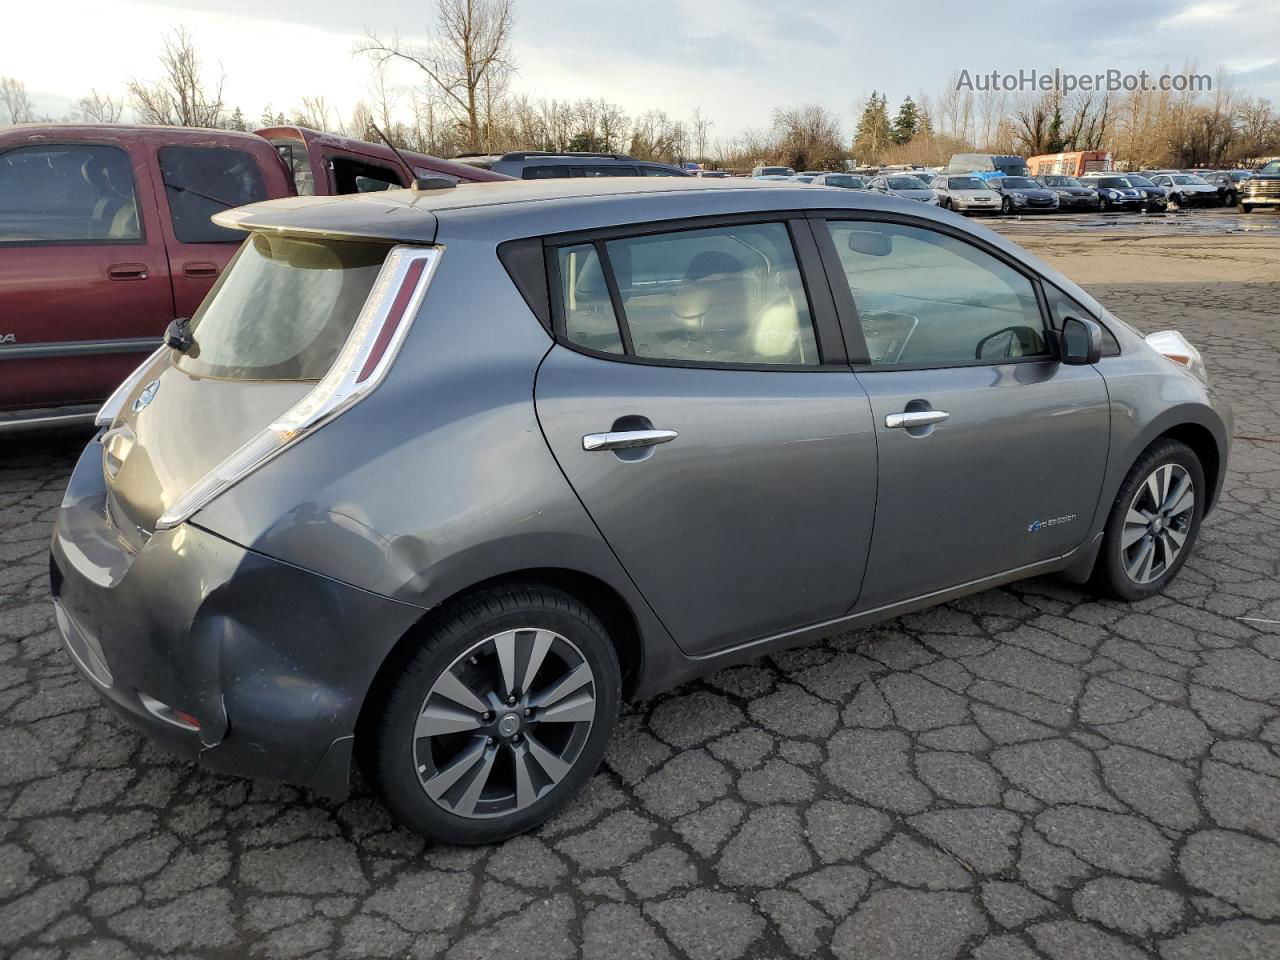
{"x":1152,"y":527}
{"x":460,"y":776}
{"x":1245,"y":208}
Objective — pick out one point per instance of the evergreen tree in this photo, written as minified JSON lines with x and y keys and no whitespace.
{"x":907,"y":123}
{"x":873,"y":133}
{"x":237,"y":121}
{"x":268,"y":119}
{"x":1055,"y":143}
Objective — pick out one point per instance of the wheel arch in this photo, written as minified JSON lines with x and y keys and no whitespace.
{"x":596,"y":595}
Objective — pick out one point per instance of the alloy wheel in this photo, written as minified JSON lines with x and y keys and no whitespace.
{"x":1157,"y":523}
{"x":504,"y":723}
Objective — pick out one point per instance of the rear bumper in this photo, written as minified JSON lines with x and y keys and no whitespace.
{"x":245,"y":664}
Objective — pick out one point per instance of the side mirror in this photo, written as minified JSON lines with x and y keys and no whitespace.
{"x":1080,"y":342}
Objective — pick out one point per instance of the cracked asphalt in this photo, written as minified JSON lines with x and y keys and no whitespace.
{"x":1026,"y":773}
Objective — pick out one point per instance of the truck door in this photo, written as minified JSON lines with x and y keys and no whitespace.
{"x":196,"y":182}
{"x":84,"y":293}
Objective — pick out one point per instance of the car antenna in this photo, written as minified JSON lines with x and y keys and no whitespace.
{"x":415,"y":183}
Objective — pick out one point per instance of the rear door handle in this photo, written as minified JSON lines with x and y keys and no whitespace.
{"x":127,"y":271}
{"x":201,"y":269}
{"x":916,"y":418}
{"x":626,"y":439}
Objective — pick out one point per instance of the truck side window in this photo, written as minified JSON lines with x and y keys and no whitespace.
{"x":356,"y":176}
{"x":202,"y":181}
{"x":67,"y":193}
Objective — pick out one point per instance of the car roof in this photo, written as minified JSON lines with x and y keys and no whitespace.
{"x":495,"y":212}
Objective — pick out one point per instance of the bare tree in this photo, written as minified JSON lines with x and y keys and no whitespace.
{"x":699,"y":128}
{"x":809,"y":137}
{"x":467,"y":60}
{"x":179,"y":99}
{"x":100,"y":108}
{"x":313,"y":113}
{"x":15,"y":102}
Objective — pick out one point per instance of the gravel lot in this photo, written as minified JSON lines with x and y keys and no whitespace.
{"x":1027,"y":773}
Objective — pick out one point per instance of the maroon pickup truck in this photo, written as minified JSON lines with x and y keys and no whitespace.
{"x":105,"y":238}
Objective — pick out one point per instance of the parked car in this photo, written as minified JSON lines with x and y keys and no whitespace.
{"x":846,"y":180}
{"x":1227,"y":183}
{"x":903,"y":185}
{"x":1187,"y":189}
{"x":1157,"y":197}
{"x":1261,"y":190}
{"x":965,"y":193}
{"x":433,"y":525}
{"x":773,"y":172}
{"x":988,"y":165}
{"x":106,"y":239}
{"x":927,"y":176}
{"x":536,"y":165}
{"x":712,"y":174}
{"x":1116,"y":192}
{"x":1072,"y":194}
{"x":1023,"y":195}
{"x":1074,"y":164}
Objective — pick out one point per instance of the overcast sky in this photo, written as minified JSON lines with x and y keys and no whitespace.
{"x":737,"y":59}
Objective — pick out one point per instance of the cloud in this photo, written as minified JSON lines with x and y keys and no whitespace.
{"x":1200,"y":13}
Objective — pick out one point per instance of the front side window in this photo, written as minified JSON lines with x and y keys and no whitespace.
{"x":658,"y":172}
{"x":727,"y":294}
{"x":926,"y":298}
{"x":202,"y":181}
{"x":357,"y":176}
{"x":67,"y":193}
{"x":283,"y":309}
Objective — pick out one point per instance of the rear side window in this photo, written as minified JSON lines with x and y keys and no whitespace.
{"x":70,"y":193}
{"x":545,"y":172}
{"x":930,"y":299}
{"x":202,"y":181}
{"x":658,"y":172}
{"x":728,"y":294}
{"x":283,"y":309}
{"x":609,"y":170}
{"x":588,"y":312}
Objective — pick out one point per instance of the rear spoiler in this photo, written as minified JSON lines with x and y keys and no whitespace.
{"x":392,"y":215}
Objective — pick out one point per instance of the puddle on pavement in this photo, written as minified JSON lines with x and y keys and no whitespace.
{"x":1183,"y":223}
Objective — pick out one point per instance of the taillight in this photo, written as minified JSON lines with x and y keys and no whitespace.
{"x":368,"y":353}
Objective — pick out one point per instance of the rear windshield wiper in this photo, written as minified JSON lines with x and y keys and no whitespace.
{"x":226,"y":203}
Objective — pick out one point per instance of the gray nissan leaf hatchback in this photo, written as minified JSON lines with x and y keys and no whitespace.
{"x":435,"y":478}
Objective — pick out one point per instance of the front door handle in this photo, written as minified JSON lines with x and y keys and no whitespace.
{"x":627,"y":439}
{"x":201,"y":269}
{"x":916,"y":418}
{"x":127,"y":271}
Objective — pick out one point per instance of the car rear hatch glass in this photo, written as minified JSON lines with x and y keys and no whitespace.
{"x":291,"y":320}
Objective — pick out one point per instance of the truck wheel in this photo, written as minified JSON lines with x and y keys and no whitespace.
{"x":498,"y":717}
{"x":1153,"y":522}
{"x":1245,"y":207}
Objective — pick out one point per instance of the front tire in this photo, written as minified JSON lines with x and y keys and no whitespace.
{"x":1245,"y":207}
{"x":1006,"y":207}
{"x":499,"y":717}
{"x":1153,"y":522}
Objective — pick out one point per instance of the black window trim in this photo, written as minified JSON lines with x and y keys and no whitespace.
{"x":105,"y":242}
{"x":851,"y":324}
{"x":822,"y":310}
